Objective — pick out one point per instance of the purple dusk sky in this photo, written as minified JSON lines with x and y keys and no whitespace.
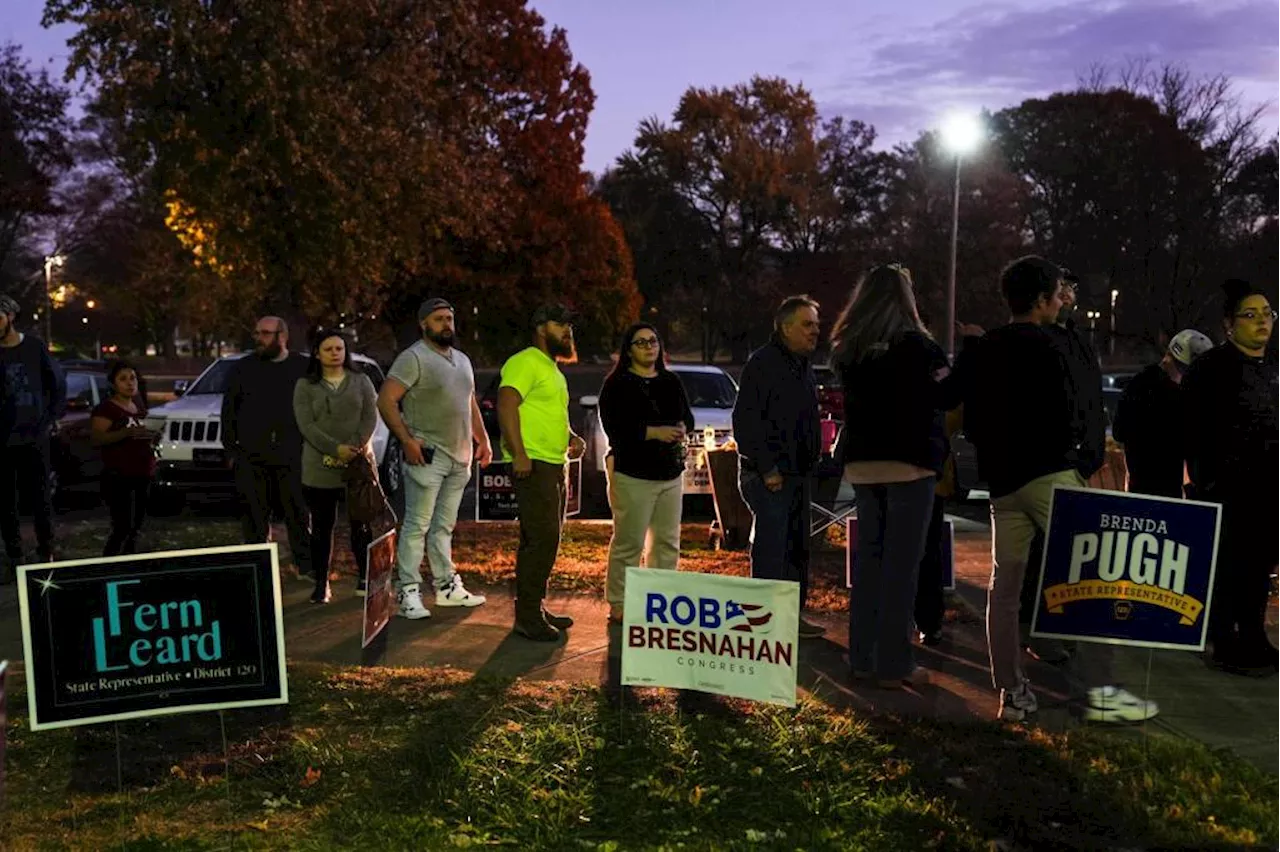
{"x":898,"y":64}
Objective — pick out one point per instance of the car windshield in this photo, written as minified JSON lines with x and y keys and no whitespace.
{"x":214,"y":380}
{"x":708,"y":390}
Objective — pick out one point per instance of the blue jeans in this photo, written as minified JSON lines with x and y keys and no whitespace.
{"x":432,"y":495}
{"x":893,"y":521}
{"x":779,"y":529}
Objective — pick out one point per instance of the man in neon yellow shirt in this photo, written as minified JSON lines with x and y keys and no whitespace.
{"x":533,"y":414}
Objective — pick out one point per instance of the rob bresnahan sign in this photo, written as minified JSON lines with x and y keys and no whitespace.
{"x":726,"y":635}
{"x":152,"y":634}
{"x":1126,"y":569}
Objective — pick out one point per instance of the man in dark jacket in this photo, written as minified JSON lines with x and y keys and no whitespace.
{"x":1149,"y":419}
{"x":261,"y":434}
{"x":775,"y":423}
{"x":33,"y":395}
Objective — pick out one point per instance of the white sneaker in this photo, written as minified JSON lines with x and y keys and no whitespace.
{"x":410,"y":600}
{"x":1017,"y":704}
{"x":1113,"y":704}
{"x":455,"y":595}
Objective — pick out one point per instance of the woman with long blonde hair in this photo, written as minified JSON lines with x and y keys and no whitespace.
{"x":897,"y":388}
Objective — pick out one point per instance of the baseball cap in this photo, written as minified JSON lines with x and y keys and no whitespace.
{"x":8,"y":305}
{"x":554,"y":313}
{"x":1188,"y":345}
{"x":430,"y":306}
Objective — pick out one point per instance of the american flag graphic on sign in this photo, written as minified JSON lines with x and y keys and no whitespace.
{"x":747,"y":618}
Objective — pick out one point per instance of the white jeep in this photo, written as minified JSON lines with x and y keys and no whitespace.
{"x":192,"y":458}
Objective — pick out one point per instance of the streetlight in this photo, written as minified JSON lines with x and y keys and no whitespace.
{"x":1115,"y":294}
{"x":961,"y":133}
{"x":97,"y":331}
{"x":50,"y":262}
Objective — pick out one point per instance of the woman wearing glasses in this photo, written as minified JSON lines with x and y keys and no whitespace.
{"x":1229,"y":413}
{"x":646,"y":415}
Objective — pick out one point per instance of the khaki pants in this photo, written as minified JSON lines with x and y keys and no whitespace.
{"x":646,"y":523}
{"x":1015,"y":520}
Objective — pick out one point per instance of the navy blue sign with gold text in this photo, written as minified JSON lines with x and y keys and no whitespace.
{"x":152,"y":634}
{"x":1127,"y":569}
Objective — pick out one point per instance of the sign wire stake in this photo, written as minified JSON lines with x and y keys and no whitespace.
{"x":226,"y":752}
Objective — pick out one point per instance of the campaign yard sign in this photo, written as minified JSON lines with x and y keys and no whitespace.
{"x":731,"y":636}
{"x":1127,"y":569}
{"x":379,"y":596}
{"x":496,"y":492}
{"x":152,"y":634}
{"x":948,"y":552}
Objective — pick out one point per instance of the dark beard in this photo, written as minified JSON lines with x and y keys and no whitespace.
{"x":557,"y":348}
{"x":444,"y":338}
{"x":269,"y":353}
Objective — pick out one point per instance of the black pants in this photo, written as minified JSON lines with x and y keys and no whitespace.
{"x":1242,"y":579}
{"x":541,"y":499}
{"x":24,"y":476}
{"x":263,"y":487}
{"x":930,"y":607}
{"x":323,"y":503}
{"x":126,"y":499}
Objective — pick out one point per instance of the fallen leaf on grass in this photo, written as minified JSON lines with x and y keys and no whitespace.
{"x":312,"y":776}
{"x":261,"y":826}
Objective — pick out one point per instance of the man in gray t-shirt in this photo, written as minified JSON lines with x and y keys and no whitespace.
{"x":429,"y":403}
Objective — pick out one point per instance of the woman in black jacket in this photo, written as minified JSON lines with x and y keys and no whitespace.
{"x":896,"y":391}
{"x":1229,"y":398}
{"x":646,"y":415}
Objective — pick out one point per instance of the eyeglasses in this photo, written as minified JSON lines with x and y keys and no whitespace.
{"x":1251,"y":314}
{"x":645,"y":342}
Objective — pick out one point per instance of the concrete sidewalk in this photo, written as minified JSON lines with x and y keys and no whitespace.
{"x":1218,"y":709}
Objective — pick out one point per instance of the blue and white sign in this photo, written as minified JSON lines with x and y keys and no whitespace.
{"x":1127,"y":569}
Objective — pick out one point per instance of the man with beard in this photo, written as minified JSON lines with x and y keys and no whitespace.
{"x":533,"y":413}
{"x":261,"y":435}
{"x":33,"y":394}
{"x":439,"y":425}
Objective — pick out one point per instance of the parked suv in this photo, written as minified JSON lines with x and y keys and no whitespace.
{"x":192,"y":457}
{"x":712,"y":394}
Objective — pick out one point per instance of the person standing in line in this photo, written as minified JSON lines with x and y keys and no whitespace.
{"x":118,"y":427}
{"x":1022,"y":418}
{"x":1229,"y":398}
{"x":33,"y":395}
{"x":930,"y":604}
{"x":775,"y":422}
{"x":897,"y":388}
{"x":440,"y":429}
{"x":260,"y":433}
{"x":533,"y":414}
{"x":646,"y":415}
{"x":1148,"y":420}
{"x":336,"y":409}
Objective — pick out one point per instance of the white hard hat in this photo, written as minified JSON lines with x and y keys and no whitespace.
{"x":1188,"y":345}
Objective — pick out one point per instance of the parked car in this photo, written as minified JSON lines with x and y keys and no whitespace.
{"x":712,"y":394}
{"x":830,"y":393}
{"x":192,"y":457}
{"x":74,"y":460}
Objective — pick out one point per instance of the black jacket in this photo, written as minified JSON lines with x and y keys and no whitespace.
{"x":629,"y":405}
{"x":1018,"y":406}
{"x":895,"y":404}
{"x":257,"y":410}
{"x":1089,"y":417}
{"x":775,"y":420}
{"x":1229,"y":403}
{"x":1149,"y":425}
{"x":33,"y":392}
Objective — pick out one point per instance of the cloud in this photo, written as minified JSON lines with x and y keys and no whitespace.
{"x":996,"y":55}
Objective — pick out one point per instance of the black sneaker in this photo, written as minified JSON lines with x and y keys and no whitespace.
{"x":537,"y":631}
{"x":559,"y":622}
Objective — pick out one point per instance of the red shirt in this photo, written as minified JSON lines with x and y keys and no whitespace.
{"x":132,"y":456}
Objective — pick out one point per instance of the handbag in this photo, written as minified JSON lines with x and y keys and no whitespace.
{"x":366,"y":502}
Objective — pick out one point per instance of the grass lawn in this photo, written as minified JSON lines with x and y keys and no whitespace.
{"x":431,"y":759}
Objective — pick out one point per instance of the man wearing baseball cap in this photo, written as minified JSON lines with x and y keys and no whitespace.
{"x":1149,"y":418}
{"x":429,"y":403}
{"x":533,"y":413}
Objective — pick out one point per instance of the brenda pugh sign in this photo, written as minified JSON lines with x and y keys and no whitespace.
{"x":152,"y":634}
{"x":727,"y":635}
{"x":496,"y":492}
{"x":379,"y":596}
{"x":1127,"y":569}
